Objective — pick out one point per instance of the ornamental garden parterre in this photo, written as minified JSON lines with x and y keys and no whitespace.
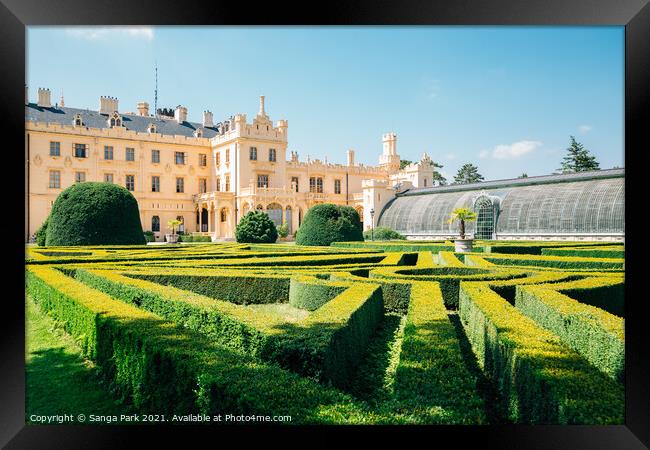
{"x":394,"y":332}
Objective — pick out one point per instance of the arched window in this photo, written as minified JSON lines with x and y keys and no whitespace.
{"x":155,"y":223}
{"x":274,"y":211}
{"x":181,"y":227}
{"x":485,"y":218}
{"x":224,"y":214}
{"x":260,"y":208}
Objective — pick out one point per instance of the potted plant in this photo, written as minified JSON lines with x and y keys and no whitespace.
{"x":173,"y":224}
{"x":463,"y":215}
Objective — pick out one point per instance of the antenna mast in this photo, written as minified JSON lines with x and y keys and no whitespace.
{"x":155,"y":99}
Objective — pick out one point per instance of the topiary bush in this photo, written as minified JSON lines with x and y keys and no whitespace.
{"x":256,"y":227}
{"x":383,"y":234}
{"x":92,"y":213}
{"x":41,"y":233}
{"x":326,"y":223}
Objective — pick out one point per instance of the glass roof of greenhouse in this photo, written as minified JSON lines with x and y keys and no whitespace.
{"x":586,"y":202}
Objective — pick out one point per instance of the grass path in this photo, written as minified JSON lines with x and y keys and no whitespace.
{"x":58,"y":380}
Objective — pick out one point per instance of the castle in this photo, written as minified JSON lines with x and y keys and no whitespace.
{"x":208,"y":175}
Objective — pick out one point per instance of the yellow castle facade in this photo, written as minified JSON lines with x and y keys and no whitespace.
{"x":206,"y":174}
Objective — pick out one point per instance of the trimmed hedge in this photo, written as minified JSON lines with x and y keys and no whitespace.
{"x":194,"y":238}
{"x":603,"y":252}
{"x":383,"y":234}
{"x":539,"y":380}
{"x":556,"y":262}
{"x":325,"y":223}
{"x":432,"y":379}
{"x":93,"y":213}
{"x":392,"y":246}
{"x":41,"y":233}
{"x":161,"y":367}
{"x":592,"y":332}
{"x":309,"y":293}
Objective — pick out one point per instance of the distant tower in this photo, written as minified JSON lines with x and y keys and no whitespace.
{"x":389,"y":159}
{"x":62,"y":102}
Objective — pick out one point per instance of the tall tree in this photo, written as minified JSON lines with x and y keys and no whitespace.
{"x":578,"y":159}
{"x":437,"y":176}
{"x":468,"y":174}
{"x":523,"y":175}
{"x":403,"y":163}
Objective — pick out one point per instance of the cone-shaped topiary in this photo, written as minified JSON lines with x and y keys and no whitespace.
{"x":41,"y":233}
{"x":326,"y":223}
{"x":256,"y":227}
{"x":94,"y":214}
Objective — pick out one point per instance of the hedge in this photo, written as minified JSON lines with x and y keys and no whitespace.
{"x":432,"y":379}
{"x":161,"y":367}
{"x":392,"y":246}
{"x":540,"y":381}
{"x":309,"y":293}
{"x":591,"y":252}
{"x":325,"y":223}
{"x":556,"y":262}
{"x":322,"y":346}
{"x":595,"y":334}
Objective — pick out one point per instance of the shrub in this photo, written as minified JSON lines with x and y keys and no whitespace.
{"x":383,"y":234}
{"x":256,"y":227}
{"x":41,"y":233}
{"x":326,"y":223}
{"x":94,"y":214}
{"x":149,"y":236}
{"x":283,"y":230}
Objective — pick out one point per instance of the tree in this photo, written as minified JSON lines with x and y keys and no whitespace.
{"x":523,"y":175}
{"x":578,"y":159}
{"x":256,"y":227}
{"x":283,"y":230}
{"x":326,"y":223}
{"x":468,"y":173}
{"x":462,"y":215}
{"x":92,"y":213}
{"x":383,"y":234}
{"x":173,"y":224}
{"x":41,"y":233}
{"x":403,"y":163}
{"x":437,"y":176}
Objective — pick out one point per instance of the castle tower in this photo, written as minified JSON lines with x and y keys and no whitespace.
{"x":389,"y":159}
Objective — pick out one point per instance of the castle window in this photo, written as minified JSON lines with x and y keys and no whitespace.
{"x":253,"y":154}
{"x":227,"y":183}
{"x":198,"y":133}
{"x":55,"y":179}
{"x":80,"y":150}
{"x":79,"y":177}
{"x":218,"y":184}
{"x":155,"y":184}
{"x":108,"y":152}
{"x":337,"y":186}
{"x":108,"y":178}
{"x":130,"y":154}
{"x":155,"y":223}
{"x":272,"y":154}
{"x":180,"y":185}
{"x":224,"y":214}
{"x":155,"y":156}
{"x":181,"y":227}
{"x":130,"y":182}
{"x":151,"y":128}
{"x":115,"y":120}
{"x":203,"y":185}
{"x":77,"y":120}
{"x":227,"y":155}
{"x":217,"y":158}
{"x":55,"y":148}
{"x":316,"y":184}
{"x":179,"y":158}
{"x":294,"y":181}
{"x":262,"y":181}
{"x":203,"y":159}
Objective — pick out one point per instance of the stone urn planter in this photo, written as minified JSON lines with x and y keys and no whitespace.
{"x":463,"y":245}
{"x":172,"y":238}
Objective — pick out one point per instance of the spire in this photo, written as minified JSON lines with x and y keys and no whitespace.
{"x":62,"y":102}
{"x":261,"y":113}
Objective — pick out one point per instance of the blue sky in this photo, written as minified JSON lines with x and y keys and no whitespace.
{"x":503,"y":98}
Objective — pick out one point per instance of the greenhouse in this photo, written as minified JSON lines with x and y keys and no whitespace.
{"x":577,"y":206}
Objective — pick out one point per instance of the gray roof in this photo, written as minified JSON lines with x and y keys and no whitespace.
{"x":529,"y":181}
{"x":133,"y":122}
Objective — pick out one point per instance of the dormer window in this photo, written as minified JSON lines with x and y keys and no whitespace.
{"x":77,"y":120}
{"x":151,"y":128}
{"x":198,"y":133}
{"x":115,"y":120}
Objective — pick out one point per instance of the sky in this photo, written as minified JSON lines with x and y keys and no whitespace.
{"x":505,"y":99}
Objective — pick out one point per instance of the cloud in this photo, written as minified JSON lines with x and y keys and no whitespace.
{"x":585,"y":128}
{"x":512,"y":151}
{"x":103,"y":33}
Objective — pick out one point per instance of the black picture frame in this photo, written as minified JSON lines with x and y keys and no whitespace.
{"x":15,"y":15}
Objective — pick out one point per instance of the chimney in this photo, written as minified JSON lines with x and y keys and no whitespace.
{"x":261,"y":113}
{"x":107,"y":105}
{"x":180,"y":114}
{"x":143,"y":109}
{"x":350,"y":157}
{"x":44,"y":98}
{"x":207,"y":119}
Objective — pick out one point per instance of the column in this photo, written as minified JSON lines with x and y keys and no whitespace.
{"x":200,"y":217}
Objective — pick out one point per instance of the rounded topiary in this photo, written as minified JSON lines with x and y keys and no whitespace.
{"x":95,"y":214}
{"x":41,"y":233}
{"x":383,"y":234}
{"x":326,"y":223}
{"x":256,"y":227}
